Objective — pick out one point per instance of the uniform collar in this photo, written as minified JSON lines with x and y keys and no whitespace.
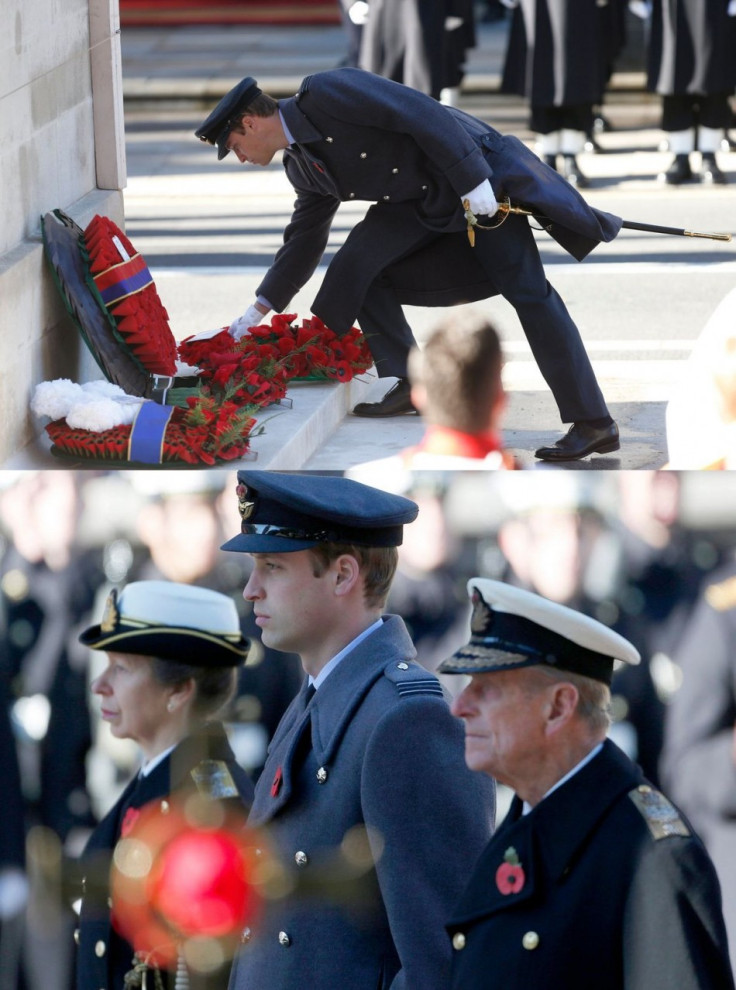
{"x":298,"y":125}
{"x":342,"y":693}
{"x":548,"y":839}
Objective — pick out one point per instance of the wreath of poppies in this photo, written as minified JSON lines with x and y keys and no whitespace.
{"x":258,"y":367}
{"x":205,"y":432}
{"x":122,"y":283}
{"x":213,"y":421}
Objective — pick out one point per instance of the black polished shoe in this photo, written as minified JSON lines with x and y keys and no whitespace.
{"x":572,"y":172}
{"x":579,"y":441}
{"x":396,"y":402}
{"x":709,"y":171}
{"x":678,"y":172}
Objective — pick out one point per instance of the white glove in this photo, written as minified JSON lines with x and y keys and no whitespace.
{"x":452,"y":23}
{"x":358,"y":12}
{"x":481,"y":199}
{"x":641,"y":8}
{"x":252,"y":317}
{"x":732,"y":8}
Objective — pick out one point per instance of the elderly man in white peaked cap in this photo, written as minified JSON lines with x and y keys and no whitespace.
{"x":594,"y":881}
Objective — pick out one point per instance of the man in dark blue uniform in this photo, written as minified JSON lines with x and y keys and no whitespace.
{"x":365,"y":795}
{"x":351,"y":135}
{"x":594,"y":881}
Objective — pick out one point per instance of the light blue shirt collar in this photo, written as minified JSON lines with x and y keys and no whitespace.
{"x":330,"y":665}
{"x":287,"y":132}
{"x":571,"y":773}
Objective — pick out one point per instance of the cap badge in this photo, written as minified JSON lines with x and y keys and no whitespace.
{"x":111,"y":616}
{"x":245,"y":506}
{"x":510,"y":876}
{"x":482,"y":616}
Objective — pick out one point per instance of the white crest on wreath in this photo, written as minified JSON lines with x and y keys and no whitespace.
{"x":95,"y":406}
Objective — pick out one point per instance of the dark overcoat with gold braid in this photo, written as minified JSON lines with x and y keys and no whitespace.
{"x":617,"y":894}
{"x":362,"y":137}
{"x":366,"y":797}
{"x":104,"y":957}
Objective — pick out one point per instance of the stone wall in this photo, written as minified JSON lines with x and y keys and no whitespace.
{"x":61,"y":145}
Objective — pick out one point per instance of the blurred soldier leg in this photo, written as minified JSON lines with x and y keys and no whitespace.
{"x":562,"y":134}
{"x":694,"y":123}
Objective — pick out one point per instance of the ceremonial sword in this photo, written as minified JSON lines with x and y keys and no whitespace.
{"x":506,"y":208}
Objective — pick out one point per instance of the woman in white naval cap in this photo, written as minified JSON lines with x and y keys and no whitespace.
{"x":594,"y":881}
{"x":172,"y":653}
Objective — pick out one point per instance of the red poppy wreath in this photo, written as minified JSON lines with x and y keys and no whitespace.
{"x":108,"y":289}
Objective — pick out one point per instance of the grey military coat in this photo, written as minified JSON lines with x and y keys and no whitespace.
{"x":377,"y":821}
{"x":358,"y":136}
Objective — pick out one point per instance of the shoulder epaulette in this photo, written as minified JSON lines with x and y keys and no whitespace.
{"x":411,"y":679}
{"x":722,"y":596}
{"x":661,"y":815}
{"x":213,"y":780}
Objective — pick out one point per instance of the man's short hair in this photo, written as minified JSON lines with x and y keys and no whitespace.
{"x":460,"y":368}
{"x":594,"y":697}
{"x":377,"y":565}
{"x":262,"y":106}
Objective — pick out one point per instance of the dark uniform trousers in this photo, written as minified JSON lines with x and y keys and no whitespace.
{"x":511,"y":259}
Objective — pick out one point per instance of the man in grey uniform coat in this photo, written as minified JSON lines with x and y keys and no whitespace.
{"x":351,"y":135}
{"x":365,"y":795}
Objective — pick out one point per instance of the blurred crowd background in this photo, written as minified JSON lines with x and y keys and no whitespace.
{"x":652,"y":554}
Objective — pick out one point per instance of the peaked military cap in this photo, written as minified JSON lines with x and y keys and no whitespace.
{"x":216,"y":128}
{"x":510,"y":628}
{"x":172,"y":621}
{"x":282,"y":513}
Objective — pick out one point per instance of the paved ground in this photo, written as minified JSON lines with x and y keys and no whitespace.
{"x":209,"y":230}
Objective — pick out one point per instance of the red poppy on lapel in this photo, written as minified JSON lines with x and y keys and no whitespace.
{"x":130,"y":817}
{"x":510,"y":874}
{"x":276,"y":784}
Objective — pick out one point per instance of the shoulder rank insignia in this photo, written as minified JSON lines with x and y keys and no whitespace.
{"x":661,"y":815}
{"x":722,"y":596}
{"x":411,"y":678}
{"x":214,"y":780}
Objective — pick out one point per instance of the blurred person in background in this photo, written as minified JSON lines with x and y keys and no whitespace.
{"x":172,"y":650}
{"x":701,"y":415}
{"x":13,"y":882}
{"x":559,"y":56}
{"x":457,"y":387}
{"x":559,"y":540}
{"x":699,"y":756}
{"x":181,"y":525}
{"x":421,"y":43}
{"x":692,"y":65}
{"x":428,"y":590}
{"x":47,"y":590}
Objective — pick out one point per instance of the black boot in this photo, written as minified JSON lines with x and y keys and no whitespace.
{"x":551,"y":160}
{"x":572,"y":172}
{"x":678,"y":172}
{"x":396,"y":402}
{"x":709,"y":171}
